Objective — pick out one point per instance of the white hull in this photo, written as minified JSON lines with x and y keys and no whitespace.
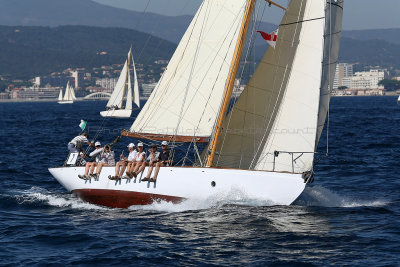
{"x":66,"y":102}
{"x":120,"y":113}
{"x":178,"y":183}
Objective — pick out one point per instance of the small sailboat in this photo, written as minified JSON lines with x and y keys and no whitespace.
{"x":398,"y":100}
{"x":263,"y":145}
{"x":69,"y":96}
{"x":123,"y":90}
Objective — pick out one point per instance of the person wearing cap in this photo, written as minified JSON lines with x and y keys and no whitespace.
{"x":124,"y":162}
{"x":139,"y":161}
{"x":91,"y":165}
{"x":107,"y":159}
{"x":152,"y":160}
{"x":165,"y":159}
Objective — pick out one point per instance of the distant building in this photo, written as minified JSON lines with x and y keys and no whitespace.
{"x":79,"y":77}
{"x":367,"y":80}
{"x":147,"y":89}
{"x":108,"y":83}
{"x":343,"y":72}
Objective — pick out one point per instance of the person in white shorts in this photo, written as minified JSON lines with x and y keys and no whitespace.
{"x":152,"y":160}
{"x":124,"y":162}
{"x":107,"y":159}
{"x":90,"y":166}
{"x":140,"y":159}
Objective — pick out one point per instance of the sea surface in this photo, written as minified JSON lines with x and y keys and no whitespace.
{"x":350,"y":215}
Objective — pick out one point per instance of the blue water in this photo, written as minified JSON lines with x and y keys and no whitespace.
{"x":349,"y":216}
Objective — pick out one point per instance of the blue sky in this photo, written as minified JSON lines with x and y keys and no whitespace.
{"x":359,"y":14}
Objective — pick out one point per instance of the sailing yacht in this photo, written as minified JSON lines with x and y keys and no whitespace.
{"x":263,"y":144}
{"x":123,"y":90}
{"x":69,"y":96}
{"x":398,"y":100}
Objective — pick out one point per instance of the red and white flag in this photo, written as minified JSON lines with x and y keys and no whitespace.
{"x":270,"y":38}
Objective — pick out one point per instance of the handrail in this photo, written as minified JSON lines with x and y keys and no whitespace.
{"x":276,"y":154}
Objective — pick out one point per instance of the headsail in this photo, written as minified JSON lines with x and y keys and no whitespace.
{"x":128,"y":105}
{"x":118,"y":93}
{"x":333,"y":30}
{"x":60,"y":96}
{"x":136,"y":96}
{"x":67,"y":95}
{"x":188,"y":96}
{"x":279,"y":108}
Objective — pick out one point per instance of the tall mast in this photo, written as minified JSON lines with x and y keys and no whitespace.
{"x":231,"y":79}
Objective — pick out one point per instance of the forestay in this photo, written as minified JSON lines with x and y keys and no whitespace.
{"x":188,"y":96}
{"x":278,"y":110}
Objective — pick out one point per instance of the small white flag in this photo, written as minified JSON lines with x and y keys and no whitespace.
{"x":82,"y":125}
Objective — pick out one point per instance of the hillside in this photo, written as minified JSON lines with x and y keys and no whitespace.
{"x":30,"y":51}
{"x":86,"y":12}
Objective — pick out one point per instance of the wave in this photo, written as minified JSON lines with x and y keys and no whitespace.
{"x":233,"y":197}
{"x":37,"y":195}
{"x":323,"y":197}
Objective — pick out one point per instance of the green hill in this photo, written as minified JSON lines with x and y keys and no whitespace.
{"x":29,"y":51}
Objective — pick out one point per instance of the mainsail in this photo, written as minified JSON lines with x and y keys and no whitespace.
{"x":118,"y":93}
{"x":273,"y":125}
{"x":124,"y":87}
{"x":188,"y":96}
{"x":68,"y":96}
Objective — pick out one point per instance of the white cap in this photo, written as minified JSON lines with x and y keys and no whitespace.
{"x":131,"y":145}
{"x":164,"y":143}
{"x":97,"y":143}
{"x":140,"y":144}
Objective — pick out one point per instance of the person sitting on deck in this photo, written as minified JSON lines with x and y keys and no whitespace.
{"x":152,"y":160}
{"x":107,"y":159}
{"x":91,"y":165}
{"x":165,"y":159}
{"x":96,"y":157}
{"x":124,"y":162}
{"x":140,"y":163}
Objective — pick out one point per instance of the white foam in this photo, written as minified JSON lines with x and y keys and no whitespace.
{"x":235,"y":196}
{"x":36,"y":194}
{"x":320,"y":196}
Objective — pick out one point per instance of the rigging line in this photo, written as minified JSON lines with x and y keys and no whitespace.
{"x":162,"y":40}
{"x":302,"y":21}
{"x":274,"y":111}
{"x":163,"y":91}
{"x":216,"y":79}
{"x":329,"y":77}
{"x":106,"y":118}
{"x":250,"y":47}
{"x":207,"y":14}
{"x":156,"y":50}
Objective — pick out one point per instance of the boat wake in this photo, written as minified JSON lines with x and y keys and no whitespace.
{"x":323,"y":197}
{"x":37,"y":195}
{"x":233,"y":197}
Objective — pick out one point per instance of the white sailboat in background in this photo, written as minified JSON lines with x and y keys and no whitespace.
{"x":398,"y":100}
{"x":123,"y":90}
{"x":69,"y":96}
{"x":264,"y":147}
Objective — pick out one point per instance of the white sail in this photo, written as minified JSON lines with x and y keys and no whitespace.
{"x":136,"y":96}
{"x":60,"y":96}
{"x":67,"y":95}
{"x":333,"y":30}
{"x":295,"y":126}
{"x":279,"y":108}
{"x":188,"y":96}
{"x":128,"y":105}
{"x":73,"y":97}
{"x":118,"y":93}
